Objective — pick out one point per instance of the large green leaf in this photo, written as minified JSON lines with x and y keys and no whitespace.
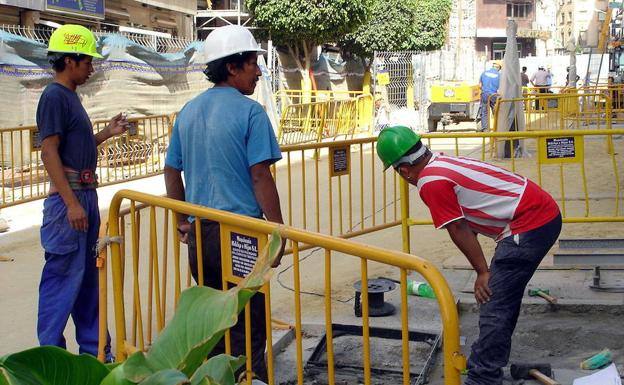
{"x":167,"y":377}
{"x":51,"y":365}
{"x":200,"y":321}
{"x":219,"y":369}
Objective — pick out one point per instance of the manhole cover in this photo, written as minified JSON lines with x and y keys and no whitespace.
{"x":385,"y":357}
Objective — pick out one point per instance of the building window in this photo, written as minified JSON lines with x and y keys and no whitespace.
{"x":518,"y":10}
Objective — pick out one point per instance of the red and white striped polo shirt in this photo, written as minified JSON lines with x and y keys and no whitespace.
{"x":495,"y":202}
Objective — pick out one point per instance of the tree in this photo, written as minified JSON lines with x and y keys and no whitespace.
{"x":398,"y":25}
{"x":301,"y":25}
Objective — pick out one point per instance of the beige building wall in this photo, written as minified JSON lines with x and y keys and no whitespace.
{"x":580,"y":21}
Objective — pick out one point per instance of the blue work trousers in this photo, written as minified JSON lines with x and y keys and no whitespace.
{"x":485,"y":109}
{"x":515,"y":260}
{"x":69,"y":281}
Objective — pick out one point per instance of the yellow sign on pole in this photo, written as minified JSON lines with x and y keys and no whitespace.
{"x":239,"y":252}
{"x":339,"y":160}
{"x":561,"y":149}
{"x":383,"y":78}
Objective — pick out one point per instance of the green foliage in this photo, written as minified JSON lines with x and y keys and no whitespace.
{"x":176,"y":356}
{"x":291,"y":21}
{"x":397,"y":25}
{"x":301,"y":25}
{"x":388,"y":29}
{"x":429,"y":29}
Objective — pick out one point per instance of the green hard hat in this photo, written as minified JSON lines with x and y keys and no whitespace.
{"x":394,"y":142}
{"x":71,"y":38}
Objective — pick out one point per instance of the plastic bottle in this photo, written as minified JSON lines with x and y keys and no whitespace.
{"x":421,"y":289}
{"x":597,"y":361}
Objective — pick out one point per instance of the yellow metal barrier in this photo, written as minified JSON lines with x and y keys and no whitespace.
{"x":337,"y":188}
{"x":562,"y":111}
{"x":151,"y":270}
{"x":120,"y":159}
{"x":292,"y":96}
{"x":313,"y":122}
{"x":595,"y":195}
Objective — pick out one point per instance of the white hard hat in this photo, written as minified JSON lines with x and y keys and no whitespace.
{"x":229,"y":40}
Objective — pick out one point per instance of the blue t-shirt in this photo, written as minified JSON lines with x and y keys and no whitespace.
{"x":60,"y":113}
{"x":489,"y":81}
{"x":217,"y":137}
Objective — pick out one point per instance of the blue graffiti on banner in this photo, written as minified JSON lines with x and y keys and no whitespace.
{"x":92,"y":8}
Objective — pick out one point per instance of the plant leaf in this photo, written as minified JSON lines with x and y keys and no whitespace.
{"x":219,"y":369}
{"x":166,"y":377}
{"x":51,"y":365}
{"x":136,"y":367}
{"x":201,"y":319}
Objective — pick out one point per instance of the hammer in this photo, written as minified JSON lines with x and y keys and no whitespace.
{"x":544,"y":293}
{"x":539,"y":372}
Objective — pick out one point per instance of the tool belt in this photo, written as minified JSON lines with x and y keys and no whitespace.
{"x":78,"y":180}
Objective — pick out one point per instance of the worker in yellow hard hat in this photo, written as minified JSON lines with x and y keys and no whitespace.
{"x":71,"y":218}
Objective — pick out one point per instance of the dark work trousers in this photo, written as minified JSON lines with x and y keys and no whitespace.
{"x":211,"y":253}
{"x":515,"y":260}
{"x":485,"y":109}
{"x":541,"y":90}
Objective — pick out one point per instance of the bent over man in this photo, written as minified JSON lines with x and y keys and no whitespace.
{"x":71,"y":218}
{"x":225,"y":143}
{"x":468,"y":197}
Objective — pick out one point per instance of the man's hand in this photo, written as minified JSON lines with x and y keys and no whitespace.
{"x":117,"y":125}
{"x":482,"y":291}
{"x":183,"y":231}
{"x":77,"y":217}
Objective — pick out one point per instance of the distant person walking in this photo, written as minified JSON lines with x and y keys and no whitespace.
{"x":489,"y":82}
{"x":524,"y":78}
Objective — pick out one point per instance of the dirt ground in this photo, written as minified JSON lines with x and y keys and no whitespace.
{"x":19,"y":278}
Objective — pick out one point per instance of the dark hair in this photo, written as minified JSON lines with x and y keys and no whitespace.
{"x":217,"y":72}
{"x":57,"y":59}
{"x":524,"y":68}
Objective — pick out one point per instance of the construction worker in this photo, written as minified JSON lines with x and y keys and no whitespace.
{"x":71,"y":218}
{"x":468,"y":197}
{"x":225,"y":144}
{"x":489,"y":82}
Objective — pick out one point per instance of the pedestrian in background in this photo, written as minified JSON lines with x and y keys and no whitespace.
{"x":71,"y":217}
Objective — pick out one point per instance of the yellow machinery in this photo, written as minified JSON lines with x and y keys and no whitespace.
{"x":453,"y":102}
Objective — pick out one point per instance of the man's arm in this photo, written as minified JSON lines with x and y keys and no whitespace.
{"x":466,"y":240}
{"x":175,"y":190}
{"x":267,"y":197}
{"x":54,"y":166}
{"x":116,"y":126}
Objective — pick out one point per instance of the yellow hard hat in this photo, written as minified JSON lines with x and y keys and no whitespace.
{"x":498,"y":63}
{"x":72,"y":38}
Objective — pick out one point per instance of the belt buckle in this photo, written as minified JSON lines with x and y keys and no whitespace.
{"x":87,"y":177}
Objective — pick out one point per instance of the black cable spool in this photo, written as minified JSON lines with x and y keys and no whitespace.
{"x":376,"y":305}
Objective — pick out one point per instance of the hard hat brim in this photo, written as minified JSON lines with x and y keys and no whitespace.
{"x":94,"y":55}
{"x":226,"y":54}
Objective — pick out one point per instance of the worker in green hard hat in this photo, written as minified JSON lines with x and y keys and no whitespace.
{"x":469,"y":197}
{"x":71,"y":217}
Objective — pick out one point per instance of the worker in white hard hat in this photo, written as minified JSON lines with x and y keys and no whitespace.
{"x":540,"y":80}
{"x":225,"y":143}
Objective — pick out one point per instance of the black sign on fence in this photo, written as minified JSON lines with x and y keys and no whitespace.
{"x":35,"y":140}
{"x":340,"y":162}
{"x":244,"y":253}
{"x":558,"y":148}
